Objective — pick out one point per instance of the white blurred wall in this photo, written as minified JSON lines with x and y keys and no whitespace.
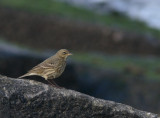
{"x":142,"y":10}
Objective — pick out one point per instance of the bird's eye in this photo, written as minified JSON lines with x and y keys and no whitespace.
{"x":64,"y":53}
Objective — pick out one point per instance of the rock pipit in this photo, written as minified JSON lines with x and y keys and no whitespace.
{"x":50,"y":68}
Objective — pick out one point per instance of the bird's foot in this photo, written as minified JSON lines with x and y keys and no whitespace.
{"x":54,"y":84}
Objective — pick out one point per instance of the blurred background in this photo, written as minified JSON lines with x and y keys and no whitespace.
{"x":116,"y":45}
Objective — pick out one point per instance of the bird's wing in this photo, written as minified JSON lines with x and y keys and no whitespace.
{"x":40,"y":69}
{"x":45,"y":65}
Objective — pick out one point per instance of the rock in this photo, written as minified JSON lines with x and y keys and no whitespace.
{"x":130,"y":86}
{"x":30,"y":99}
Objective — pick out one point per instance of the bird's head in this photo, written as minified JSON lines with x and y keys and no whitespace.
{"x":63,"y":53}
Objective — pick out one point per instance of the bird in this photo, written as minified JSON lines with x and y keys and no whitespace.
{"x":52,"y":67}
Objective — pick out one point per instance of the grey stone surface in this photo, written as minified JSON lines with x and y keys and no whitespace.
{"x":30,"y":99}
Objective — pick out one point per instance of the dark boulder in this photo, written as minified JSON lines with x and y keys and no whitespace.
{"x":30,"y":99}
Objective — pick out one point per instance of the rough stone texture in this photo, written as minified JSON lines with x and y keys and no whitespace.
{"x":30,"y":99}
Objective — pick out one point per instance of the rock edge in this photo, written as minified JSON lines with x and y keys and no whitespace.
{"x":27,"y":98}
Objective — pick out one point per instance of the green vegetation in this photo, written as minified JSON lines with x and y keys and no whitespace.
{"x":65,"y":10}
{"x":149,"y":66}
{"x":146,"y":66}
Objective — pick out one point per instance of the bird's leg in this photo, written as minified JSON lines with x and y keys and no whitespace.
{"x":51,"y":83}
{"x":55,"y":84}
{"x":46,"y":78}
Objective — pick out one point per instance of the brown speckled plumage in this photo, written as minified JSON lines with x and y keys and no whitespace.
{"x":52,"y":67}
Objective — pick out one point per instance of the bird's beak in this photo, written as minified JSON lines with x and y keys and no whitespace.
{"x":70,"y":54}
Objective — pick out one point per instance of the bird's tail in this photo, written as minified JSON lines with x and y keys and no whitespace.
{"x":27,"y":74}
